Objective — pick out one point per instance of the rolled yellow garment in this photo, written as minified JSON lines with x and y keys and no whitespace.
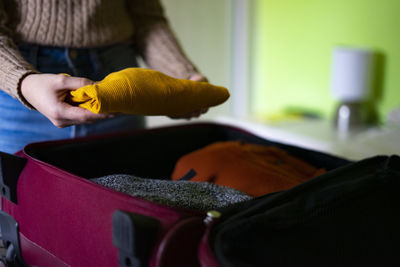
{"x":148,"y":92}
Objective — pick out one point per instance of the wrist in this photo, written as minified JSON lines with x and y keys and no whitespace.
{"x":23,"y":87}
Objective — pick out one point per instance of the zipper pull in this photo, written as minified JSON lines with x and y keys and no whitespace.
{"x":212,"y":216}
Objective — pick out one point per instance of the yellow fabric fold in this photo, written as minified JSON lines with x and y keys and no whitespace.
{"x":148,"y":92}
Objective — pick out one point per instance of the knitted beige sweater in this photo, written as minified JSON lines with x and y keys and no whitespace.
{"x":84,"y":24}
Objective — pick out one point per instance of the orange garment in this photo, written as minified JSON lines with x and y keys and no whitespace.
{"x":250,"y":168}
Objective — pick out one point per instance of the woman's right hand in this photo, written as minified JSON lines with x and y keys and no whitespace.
{"x":47,"y":94}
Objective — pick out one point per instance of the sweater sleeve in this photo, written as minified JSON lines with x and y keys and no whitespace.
{"x":13,"y":67}
{"x":156,"y":41}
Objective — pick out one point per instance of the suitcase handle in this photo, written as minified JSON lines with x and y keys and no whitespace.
{"x":11,"y":167}
{"x":134,"y":236}
{"x":10,"y":238}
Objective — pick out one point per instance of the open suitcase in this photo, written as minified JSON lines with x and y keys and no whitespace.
{"x":52,"y":215}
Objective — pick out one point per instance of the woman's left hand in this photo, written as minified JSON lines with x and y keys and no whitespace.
{"x":198,"y":78}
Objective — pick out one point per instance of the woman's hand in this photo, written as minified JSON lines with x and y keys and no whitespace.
{"x":47,"y":93}
{"x":198,"y":78}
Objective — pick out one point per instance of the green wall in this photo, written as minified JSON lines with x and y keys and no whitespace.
{"x":292,"y":47}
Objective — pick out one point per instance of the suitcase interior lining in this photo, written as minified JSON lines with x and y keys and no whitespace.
{"x":152,"y":153}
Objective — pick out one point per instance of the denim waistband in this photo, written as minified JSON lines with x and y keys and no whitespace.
{"x":93,"y":63}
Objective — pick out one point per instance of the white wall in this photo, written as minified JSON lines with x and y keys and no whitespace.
{"x":204,"y":30}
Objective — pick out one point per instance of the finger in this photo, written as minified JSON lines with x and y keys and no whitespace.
{"x":198,"y":78}
{"x":187,"y":116}
{"x":203,"y":110}
{"x":76,"y":115}
{"x":74,"y":83}
{"x":194,"y":114}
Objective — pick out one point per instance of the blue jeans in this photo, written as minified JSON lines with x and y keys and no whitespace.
{"x":20,"y":125}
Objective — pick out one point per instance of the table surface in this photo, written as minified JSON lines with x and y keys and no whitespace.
{"x":320,"y":135}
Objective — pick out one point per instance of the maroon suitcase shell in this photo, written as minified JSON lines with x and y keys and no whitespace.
{"x":53,"y":215}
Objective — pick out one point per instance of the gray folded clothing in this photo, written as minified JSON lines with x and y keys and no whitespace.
{"x":201,"y":196}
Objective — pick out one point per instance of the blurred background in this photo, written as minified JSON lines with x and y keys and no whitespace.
{"x":275,"y":57}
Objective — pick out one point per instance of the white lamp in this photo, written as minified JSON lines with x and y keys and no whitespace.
{"x":352,"y":71}
{"x":351,"y":84}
